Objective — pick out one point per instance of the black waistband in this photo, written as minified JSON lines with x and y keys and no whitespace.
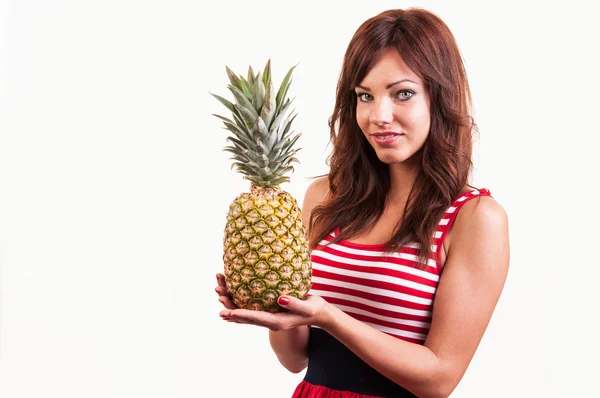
{"x":333,"y":365}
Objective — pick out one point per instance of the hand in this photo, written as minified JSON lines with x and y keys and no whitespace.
{"x":221,"y":290}
{"x":312,"y":311}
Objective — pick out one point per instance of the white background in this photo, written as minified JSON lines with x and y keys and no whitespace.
{"x":114,"y":188}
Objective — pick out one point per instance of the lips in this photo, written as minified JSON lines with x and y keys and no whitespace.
{"x":386,"y":138}
{"x":385,"y":134}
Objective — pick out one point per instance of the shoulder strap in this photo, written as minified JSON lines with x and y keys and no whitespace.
{"x":450,"y":215}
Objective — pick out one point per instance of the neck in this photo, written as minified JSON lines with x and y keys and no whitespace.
{"x":402,"y":178}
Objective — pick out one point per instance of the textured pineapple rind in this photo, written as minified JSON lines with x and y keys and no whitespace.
{"x":265,"y":250}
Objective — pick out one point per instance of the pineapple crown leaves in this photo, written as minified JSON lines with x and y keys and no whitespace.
{"x":261,"y":136}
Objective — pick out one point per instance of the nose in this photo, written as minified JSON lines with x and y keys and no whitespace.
{"x":381,"y":112}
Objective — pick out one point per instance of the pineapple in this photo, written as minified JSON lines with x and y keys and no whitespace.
{"x":265,"y":248}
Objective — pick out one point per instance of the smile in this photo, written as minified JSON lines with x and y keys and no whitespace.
{"x":386,"y":138}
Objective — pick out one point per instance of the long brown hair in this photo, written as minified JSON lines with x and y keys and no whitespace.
{"x":358,"y":181}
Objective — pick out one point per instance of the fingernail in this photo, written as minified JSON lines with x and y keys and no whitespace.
{"x":283,"y":300}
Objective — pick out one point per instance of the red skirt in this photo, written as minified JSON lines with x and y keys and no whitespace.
{"x":307,"y":390}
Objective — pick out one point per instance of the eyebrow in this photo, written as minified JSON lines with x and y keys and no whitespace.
{"x":389,"y":85}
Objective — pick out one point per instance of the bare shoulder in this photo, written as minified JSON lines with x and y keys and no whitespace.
{"x":471,"y":283}
{"x":482,"y":212}
{"x":481,"y":226}
{"x":316,"y":193}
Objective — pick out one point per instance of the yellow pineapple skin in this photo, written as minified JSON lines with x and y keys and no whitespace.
{"x":265,"y":249}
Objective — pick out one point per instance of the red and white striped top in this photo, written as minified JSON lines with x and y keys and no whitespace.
{"x":387,"y":292}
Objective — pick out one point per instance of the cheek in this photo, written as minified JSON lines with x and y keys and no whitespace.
{"x":419,"y":119}
{"x":362,"y":119}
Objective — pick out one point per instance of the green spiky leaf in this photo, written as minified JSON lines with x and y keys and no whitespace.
{"x":261,"y":136}
{"x":267,"y":73}
{"x":232,"y":77}
{"x":258,"y":93}
{"x":285,"y":85}
{"x":246,"y":88}
{"x":250,"y":75}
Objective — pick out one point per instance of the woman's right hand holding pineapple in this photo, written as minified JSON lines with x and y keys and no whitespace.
{"x":221,"y":290}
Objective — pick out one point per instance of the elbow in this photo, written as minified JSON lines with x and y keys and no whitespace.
{"x":444,"y":393}
{"x":293,"y":363}
{"x":296,"y":370}
{"x":295,"y":367}
{"x":435,"y":378}
{"x":441,"y":386}
{"x":438,"y":392}
{"x":443,"y":389}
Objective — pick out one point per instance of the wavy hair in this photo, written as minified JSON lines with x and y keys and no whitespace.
{"x":358,"y":181}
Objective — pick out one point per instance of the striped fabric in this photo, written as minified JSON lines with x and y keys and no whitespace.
{"x":387,"y":292}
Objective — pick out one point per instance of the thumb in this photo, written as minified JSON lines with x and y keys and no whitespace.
{"x":294,"y":304}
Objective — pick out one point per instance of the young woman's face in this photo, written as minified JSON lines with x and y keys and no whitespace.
{"x":392,"y":109}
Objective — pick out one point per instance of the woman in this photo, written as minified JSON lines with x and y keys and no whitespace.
{"x":408,"y":259}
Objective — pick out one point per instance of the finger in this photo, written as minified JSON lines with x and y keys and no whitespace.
{"x":221,"y":280}
{"x":230,"y":305}
{"x":227,"y":303}
{"x":222,"y":291}
{"x":279,"y":321}
{"x":244,"y":321}
{"x":295,"y":305}
{"x":246,"y":314}
{"x":225,"y":298}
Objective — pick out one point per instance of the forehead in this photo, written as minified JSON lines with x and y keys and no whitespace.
{"x":389,"y":67}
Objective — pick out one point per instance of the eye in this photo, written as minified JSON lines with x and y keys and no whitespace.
{"x":404,"y":95}
{"x":364,"y":97}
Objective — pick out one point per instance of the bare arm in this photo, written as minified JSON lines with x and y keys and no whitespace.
{"x":291,"y":346}
{"x":470,"y":286}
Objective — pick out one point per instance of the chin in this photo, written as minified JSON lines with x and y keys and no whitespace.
{"x":396,"y":158}
{"x":389,"y":158}
{"x":390,"y":162}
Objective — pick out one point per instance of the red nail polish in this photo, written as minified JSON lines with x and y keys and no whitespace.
{"x":283,"y":300}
